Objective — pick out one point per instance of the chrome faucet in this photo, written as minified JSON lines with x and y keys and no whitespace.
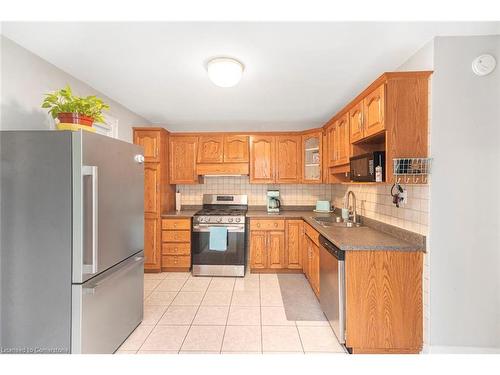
{"x":346,"y":205}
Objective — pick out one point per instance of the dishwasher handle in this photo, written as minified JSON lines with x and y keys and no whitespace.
{"x":331,"y":248}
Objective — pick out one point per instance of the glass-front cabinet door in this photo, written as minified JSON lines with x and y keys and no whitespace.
{"x":312,"y":157}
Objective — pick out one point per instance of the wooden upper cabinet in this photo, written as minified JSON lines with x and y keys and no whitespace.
{"x":151,"y":188}
{"x":342,"y":143}
{"x":262,"y":159}
{"x":374,"y":108}
{"x":150,"y":141}
{"x":210,"y":149}
{"x":183,"y":159}
{"x":276,"y":249}
{"x":312,"y":154}
{"x":288,"y":156}
{"x":356,"y":122}
{"x":236,"y":149}
{"x":332,"y":147}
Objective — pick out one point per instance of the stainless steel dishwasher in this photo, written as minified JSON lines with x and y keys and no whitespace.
{"x":332,"y":286}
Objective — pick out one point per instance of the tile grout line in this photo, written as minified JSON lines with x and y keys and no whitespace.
{"x":170,"y":303}
{"x":300,"y":338}
{"x":196,"y":313}
{"x":227,"y":317}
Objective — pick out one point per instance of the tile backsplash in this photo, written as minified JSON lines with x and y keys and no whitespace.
{"x":301,"y":194}
{"x":375,"y":202}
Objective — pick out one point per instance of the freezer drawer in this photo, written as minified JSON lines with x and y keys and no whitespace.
{"x":108,"y":307}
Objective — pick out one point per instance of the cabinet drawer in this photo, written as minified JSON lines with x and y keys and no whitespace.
{"x":176,"y":236}
{"x":176,"y":248}
{"x":311,"y":233}
{"x":176,"y":224}
{"x":267,"y":224}
{"x":176,"y":261}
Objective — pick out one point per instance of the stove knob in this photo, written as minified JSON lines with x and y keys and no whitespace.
{"x":219,"y":220}
{"x":238,"y":219}
{"x":200,"y":219}
{"x":230,"y":219}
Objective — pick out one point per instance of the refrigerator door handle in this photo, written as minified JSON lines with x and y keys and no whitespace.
{"x":92,"y":171}
{"x":91,"y":287}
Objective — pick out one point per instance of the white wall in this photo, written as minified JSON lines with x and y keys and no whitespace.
{"x":25,"y":78}
{"x":465,"y":207}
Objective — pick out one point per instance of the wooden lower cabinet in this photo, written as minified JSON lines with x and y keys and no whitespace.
{"x":276,"y":250}
{"x":294,"y":239}
{"x":176,"y":244}
{"x":267,"y":245}
{"x":384,"y":301}
{"x":311,"y":261}
{"x":258,"y":250}
{"x":152,"y":252}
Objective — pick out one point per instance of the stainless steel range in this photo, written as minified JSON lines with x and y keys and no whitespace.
{"x":219,"y":240}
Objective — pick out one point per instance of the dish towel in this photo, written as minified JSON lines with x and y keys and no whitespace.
{"x":218,"y":239}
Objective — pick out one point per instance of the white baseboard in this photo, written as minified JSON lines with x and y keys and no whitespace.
{"x":439,"y":349}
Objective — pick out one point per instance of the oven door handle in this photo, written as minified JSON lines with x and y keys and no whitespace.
{"x":230,"y":228}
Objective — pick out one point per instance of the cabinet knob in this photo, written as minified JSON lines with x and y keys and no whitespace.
{"x":258,"y":225}
{"x":175,"y":225}
{"x":275,"y":225}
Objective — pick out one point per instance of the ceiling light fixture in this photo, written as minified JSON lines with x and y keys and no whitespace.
{"x":224,"y":71}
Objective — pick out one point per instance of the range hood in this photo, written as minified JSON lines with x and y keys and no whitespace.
{"x":223,"y":169}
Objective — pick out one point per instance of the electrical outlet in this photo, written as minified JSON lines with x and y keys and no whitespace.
{"x":404,"y":196}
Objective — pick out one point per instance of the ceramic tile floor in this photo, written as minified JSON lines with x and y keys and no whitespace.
{"x":186,"y":314}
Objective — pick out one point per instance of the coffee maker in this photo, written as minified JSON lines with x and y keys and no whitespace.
{"x":273,"y":202}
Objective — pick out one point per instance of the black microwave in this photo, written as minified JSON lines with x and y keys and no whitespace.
{"x":363,"y":166}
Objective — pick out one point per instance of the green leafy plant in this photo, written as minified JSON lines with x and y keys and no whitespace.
{"x":63,"y":101}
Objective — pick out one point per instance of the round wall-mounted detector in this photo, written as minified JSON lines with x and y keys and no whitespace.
{"x":483,"y":65}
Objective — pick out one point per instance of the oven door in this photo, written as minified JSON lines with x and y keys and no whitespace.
{"x":235,"y":253}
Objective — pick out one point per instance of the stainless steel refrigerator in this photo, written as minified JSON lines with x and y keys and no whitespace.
{"x":72,"y":239}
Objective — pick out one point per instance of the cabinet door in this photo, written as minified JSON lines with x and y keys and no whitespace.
{"x":356,"y":122}
{"x":312,"y":155}
{"x":183,"y":159}
{"x":315,"y":268}
{"x":258,"y":252}
{"x":288,"y":158}
{"x":210,"y":149}
{"x":276,"y":249}
{"x":152,"y":260}
{"x":332,"y":146}
{"x":325,"y":163}
{"x":342,"y":141}
{"x":151,"y":188}
{"x":374,"y":111}
{"x":150,"y":141}
{"x":306,"y":254}
{"x":293,"y":253}
{"x":236,"y":149}
{"x":262,"y":159}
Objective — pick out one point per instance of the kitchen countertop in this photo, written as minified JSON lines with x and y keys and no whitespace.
{"x":349,"y":239}
{"x":180,"y":214}
{"x":366,"y":237}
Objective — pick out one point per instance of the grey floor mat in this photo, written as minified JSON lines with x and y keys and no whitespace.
{"x":298,"y":298}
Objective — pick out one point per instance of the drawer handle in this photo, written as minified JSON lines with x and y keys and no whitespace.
{"x":275,"y":225}
{"x":258,"y":225}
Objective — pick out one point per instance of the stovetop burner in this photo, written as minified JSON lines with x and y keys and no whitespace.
{"x":222,"y":209}
{"x":221,"y":212}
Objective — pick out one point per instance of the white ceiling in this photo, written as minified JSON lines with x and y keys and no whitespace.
{"x":297,"y":75}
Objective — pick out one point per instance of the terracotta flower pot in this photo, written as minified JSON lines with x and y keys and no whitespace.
{"x":75,"y":118}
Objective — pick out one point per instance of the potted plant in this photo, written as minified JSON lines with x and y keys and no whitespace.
{"x":72,"y":109}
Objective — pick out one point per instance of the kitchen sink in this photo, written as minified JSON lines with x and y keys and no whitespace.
{"x":331,"y":221}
